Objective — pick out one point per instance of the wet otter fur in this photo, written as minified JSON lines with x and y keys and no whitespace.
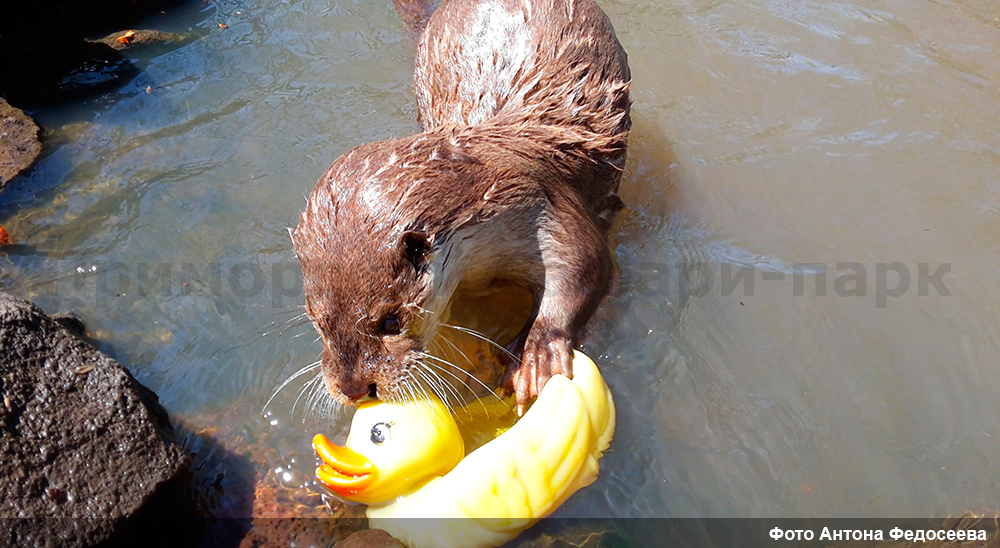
{"x":525,"y":111}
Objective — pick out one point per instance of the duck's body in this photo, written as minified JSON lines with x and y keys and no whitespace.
{"x":499,"y":489}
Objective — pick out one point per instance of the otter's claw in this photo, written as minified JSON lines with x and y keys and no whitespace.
{"x":546,"y":353}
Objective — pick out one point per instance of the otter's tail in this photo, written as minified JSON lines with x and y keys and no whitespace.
{"x":415,"y":14}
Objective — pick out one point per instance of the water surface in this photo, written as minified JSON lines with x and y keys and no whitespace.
{"x":781,"y":138}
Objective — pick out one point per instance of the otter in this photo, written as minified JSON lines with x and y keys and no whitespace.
{"x":524,"y":106}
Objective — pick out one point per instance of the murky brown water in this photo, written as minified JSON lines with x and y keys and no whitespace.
{"x":786,"y":137}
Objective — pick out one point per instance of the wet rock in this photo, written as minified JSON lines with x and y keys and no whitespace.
{"x":79,"y":437}
{"x":71,"y":322}
{"x":371,"y":538}
{"x":43,"y":53}
{"x":44,"y":71}
{"x":19,"y":144}
{"x":139,"y":38}
{"x":54,"y":19}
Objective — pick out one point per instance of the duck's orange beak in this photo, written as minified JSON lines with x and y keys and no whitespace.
{"x":344,"y":471}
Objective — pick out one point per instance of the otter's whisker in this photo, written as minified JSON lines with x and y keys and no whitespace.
{"x":442,"y":360}
{"x":409,"y":383}
{"x":287,"y":324}
{"x":320,"y":404}
{"x":404,"y":392}
{"x":315,"y":404}
{"x":360,"y":331}
{"x":485,"y":409}
{"x":482,"y":337}
{"x":448,"y":388}
{"x":421,"y":309}
{"x":291,"y":378}
{"x":334,"y":409}
{"x":456,"y":349}
{"x":473,"y":377}
{"x":439,"y":354}
{"x":420,"y":386}
{"x":434,"y":347}
{"x":454,"y":376}
{"x":308,"y":387}
{"x":433,"y":384}
{"x":413,"y":387}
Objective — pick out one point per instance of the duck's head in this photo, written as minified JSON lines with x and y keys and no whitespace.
{"x":391,"y":450}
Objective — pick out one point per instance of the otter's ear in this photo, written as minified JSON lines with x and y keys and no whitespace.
{"x":415,"y":247}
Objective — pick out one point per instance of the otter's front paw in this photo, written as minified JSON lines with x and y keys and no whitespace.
{"x":547,"y":352}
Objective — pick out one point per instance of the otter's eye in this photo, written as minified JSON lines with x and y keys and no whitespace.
{"x":380,"y":433}
{"x":390,"y":325}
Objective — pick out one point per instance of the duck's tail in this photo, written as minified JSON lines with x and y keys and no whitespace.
{"x":415,"y":14}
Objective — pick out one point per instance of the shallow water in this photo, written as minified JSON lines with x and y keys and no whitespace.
{"x":786,"y":137}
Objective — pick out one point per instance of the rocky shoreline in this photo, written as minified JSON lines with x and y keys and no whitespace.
{"x":79,"y":436}
{"x":49,"y":56}
{"x":89,"y":457}
{"x":19,"y":144}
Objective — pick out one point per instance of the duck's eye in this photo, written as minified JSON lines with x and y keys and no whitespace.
{"x":380,"y":433}
{"x":390,"y":325}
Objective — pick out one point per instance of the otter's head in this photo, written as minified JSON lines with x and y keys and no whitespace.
{"x":365,"y":279}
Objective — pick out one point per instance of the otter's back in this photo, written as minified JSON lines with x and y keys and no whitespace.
{"x":549,"y":62}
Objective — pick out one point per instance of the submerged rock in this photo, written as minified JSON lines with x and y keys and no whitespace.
{"x":19,"y":144}
{"x":79,"y":437}
{"x":370,"y":538}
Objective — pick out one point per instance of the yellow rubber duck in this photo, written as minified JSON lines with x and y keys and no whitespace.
{"x":405,"y":460}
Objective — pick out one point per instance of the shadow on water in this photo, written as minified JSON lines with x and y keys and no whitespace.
{"x":633,"y":335}
{"x":649,"y":185}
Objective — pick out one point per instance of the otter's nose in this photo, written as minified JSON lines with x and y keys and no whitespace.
{"x":359,"y":392}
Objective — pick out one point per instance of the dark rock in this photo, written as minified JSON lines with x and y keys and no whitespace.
{"x":145,"y":39}
{"x":79,"y":437}
{"x":370,"y":538}
{"x":43,"y":54}
{"x":54,"y":19}
{"x":45,"y":71}
{"x":19,"y":145}
{"x":71,"y":322}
